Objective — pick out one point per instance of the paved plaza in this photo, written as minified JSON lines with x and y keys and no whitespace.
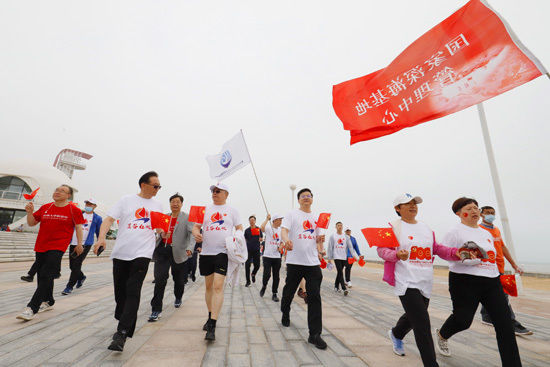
{"x":249,"y":333}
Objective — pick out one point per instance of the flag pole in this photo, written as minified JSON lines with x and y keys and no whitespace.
{"x":498,"y":189}
{"x":254,"y":169}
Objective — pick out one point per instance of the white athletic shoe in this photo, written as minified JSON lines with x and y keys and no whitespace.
{"x":26,"y":315}
{"x":45,"y":306}
{"x":441,"y":344}
{"x":336,"y":290}
{"x":349,"y":284}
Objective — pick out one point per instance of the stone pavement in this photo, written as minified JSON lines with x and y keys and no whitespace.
{"x":249,"y":333}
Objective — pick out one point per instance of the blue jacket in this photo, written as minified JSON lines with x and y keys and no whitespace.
{"x":94,"y":229}
{"x":355,"y":246}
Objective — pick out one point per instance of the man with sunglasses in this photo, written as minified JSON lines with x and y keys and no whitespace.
{"x":219,"y":221}
{"x":132,"y":252}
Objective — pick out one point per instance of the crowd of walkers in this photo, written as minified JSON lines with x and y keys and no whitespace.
{"x":292,"y":238}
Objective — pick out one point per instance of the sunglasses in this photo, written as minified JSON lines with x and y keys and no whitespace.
{"x":156,"y":187}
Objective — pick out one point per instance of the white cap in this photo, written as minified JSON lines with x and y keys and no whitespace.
{"x":347,"y":229}
{"x":221,"y":186}
{"x":405,"y":198}
{"x":91,"y":201}
{"x":276,"y":216}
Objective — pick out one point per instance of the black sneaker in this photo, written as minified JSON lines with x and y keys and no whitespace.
{"x":177,"y":303}
{"x":247,"y":284}
{"x":317,"y":341}
{"x":57,"y":276}
{"x":285,"y":320}
{"x":27,"y":278}
{"x":210,"y":333}
{"x":275,"y":298}
{"x":205,"y":326}
{"x":119,"y":339}
{"x":519,"y":329}
{"x":262,"y":292}
{"x":193,"y":278}
{"x":253,"y":278}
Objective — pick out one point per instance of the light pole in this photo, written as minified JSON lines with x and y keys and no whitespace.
{"x":292,"y":188}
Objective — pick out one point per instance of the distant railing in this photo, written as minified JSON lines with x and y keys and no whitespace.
{"x":10,"y":195}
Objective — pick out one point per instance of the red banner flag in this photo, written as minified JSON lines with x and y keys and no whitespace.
{"x":468,"y":58}
{"x":323,"y":221}
{"x":160,"y":220}
{"x":31,"y":195}
{"x":255,"y":231}
{"x":361,"y":262}
{"x":380,"y":237}
{"x":196,"y":214}
{"x":323,"y":264}
{"x":509,"y":284}
{"x":351,"y":260}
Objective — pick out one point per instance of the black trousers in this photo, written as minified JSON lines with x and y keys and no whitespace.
{"x":485,"y":314}
{"x":48,"y":265}
{"x":467,"y":292}
{"x":128,"y":276}
{"x":271,"y":265}
{"x":34,"y":268}
{"x":164,"y":261}
{"x":313,"y":277}
{"x":253,"y":258}
{"x":76,"y":265}
{"x":339,"y":281}
{"x":348,"y":271}
{"x":416,"y":318}
{"x":192,"y":265}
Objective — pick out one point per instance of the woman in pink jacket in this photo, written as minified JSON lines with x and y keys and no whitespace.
{"x":409,"y":269}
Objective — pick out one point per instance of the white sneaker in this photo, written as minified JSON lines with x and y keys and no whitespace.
{"x":349,"y":284}
{"x":45,"y":306}
{"x":26,"y":315}
{"x":441,"y":344}
{"x":336,"y":290}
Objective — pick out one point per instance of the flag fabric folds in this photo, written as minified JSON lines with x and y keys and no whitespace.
{"x":232,"y":157}
{"x":471,"y":56}
{"x":196,"y":214}
{"x":509,"y":284}
{"x":255,"y":231}
{"x":323,"y":221}
{"x":31,"y":195}
{"x":380,"y":237}
{"x":160,"y":220}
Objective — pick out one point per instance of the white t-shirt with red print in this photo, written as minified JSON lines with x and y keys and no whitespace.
{"x":135,"y":237}
{"x":461,"y":234}
{"x":303,"y":234}
{"x":88,"y":218}
{"x":340,"y":250}
{"x":272,"y":242}
{"x":219,"y":222}
{"x":417,"y":271}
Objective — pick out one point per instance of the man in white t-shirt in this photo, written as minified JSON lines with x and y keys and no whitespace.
{"x":338,"y":246}
{"x":272,"y":254}
{"x":219,"y":222}
{"x":304,"y":253}
{"x":132,"y":252}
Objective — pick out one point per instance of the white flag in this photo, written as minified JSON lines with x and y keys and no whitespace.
{"x":233,"y":156}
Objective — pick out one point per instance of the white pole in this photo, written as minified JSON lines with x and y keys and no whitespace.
{"x":292,"y":188}
{"x":255,"y":175}
{"x":498,"y":189}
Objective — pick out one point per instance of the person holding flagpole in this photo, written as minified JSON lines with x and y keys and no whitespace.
{"x":475,"y":283}
{"x":338,"y":247}
{"x":409,"y":269}
{"x":272,"y":255}
{"x":132,"y":252}
{"x":172,"y":252}
{"x":219,"y":222}
{"x":304,"y":253}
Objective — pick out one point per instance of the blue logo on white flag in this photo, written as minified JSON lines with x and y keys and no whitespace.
{"x":225,"y":160}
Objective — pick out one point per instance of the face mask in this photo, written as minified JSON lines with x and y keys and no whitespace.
{"x":490,"y":218}
{"x":88,"y":209}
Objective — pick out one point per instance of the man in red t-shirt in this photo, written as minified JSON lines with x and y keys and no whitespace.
{"x":57,"y":221}
{"x":488,"y":216}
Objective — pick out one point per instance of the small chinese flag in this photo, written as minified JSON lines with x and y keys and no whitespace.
{"x":380,"y":237}
{"x":323,"y":221}
{"x":509,"y":284}
{"x":361,"y":262}
{"x":31,"y":195}
{"x":255,"y":231}
{"x":351,"y":260}
{"x":160,"y":220}
{"x":323,"y":264}
{"x":196,"y":214}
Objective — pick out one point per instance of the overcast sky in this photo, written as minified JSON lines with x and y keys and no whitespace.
{"x":158,"y":85}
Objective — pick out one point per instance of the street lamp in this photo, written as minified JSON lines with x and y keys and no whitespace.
{"x":292,"y":188}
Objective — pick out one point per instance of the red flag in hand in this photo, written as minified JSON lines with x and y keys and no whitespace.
{"x":31,"y":195}
{"x":323,"y":264}
{"x":196,"y":214}
{"x":351,"y":260}
{"x":160,"y":220}
{"x":380,"y":237}
{"x":361,"y":262}
{"x":323,"y":221}
{"x":509,"y":284}
{"x":255,"y":231}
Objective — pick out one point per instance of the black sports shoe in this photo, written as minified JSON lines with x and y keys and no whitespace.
{"x":262,"y":292}
{"x":317,"y":341}
{"x":519,"y":329}
{"x":275,"y":298}
{"x":206,"y":324}
{"x":285,"y":320}
{"x":247,"y":284}
{"x":210,"y":333}
{"x":27,"y":278}
{"x":119,"y":339}
{"x":253,"y":278}
{"x":193,"y":278}
{"x":57,"y":276}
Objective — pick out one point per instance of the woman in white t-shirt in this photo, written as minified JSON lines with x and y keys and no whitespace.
{"x":474,"y":283}
{"x":272,"y":254}
{"x":409,"y":268}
